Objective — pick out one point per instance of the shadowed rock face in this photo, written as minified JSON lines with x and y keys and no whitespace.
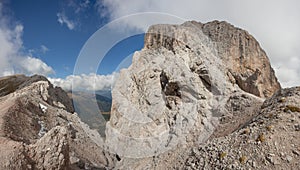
{"x":189,"y":83}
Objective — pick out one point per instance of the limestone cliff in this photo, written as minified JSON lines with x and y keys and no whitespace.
{"x":189,"y":83}
{"x":246,"y":63}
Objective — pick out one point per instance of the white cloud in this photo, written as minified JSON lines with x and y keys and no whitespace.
{"x":289,"y":72}
{"x":275,"y":24}
{"x":63,"y":19}
{"x":13,"y":58}
{"x":44,"y":49}
{"x":34,"y":65}
{"x":90,"y":82}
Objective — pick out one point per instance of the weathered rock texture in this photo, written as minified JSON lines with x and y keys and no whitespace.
{"x":243,"y":57}
{"x":245,"y":62}
{"x":189,"y":83}
{"x":269,"y":141}
{"x":38,"y":130}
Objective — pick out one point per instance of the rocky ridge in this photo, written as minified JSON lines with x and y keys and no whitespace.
{"x":38,"y":129}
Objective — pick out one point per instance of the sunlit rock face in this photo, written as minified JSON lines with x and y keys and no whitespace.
{"x":181,"y":86}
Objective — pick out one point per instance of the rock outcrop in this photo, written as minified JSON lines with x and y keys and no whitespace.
{"x":246,"y":63}
{"x":38,"y":129}
{"x":189,"y":83}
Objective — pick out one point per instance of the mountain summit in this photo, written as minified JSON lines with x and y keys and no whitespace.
{"x":197,"y":96}
{"x":191,"y":83}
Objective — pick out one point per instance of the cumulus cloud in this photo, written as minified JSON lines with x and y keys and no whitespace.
{"x":86,"y":82}
{"x":275,"y":24}
{"x":12,"y":56}
{"x":34,"y":65}
{"x":63,"y":19}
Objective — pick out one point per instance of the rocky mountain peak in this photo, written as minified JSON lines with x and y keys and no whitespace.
{"x":190,"y":82}
{"x":245,"y":62}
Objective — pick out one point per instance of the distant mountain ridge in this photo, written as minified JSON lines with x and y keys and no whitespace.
{"x":103,"y":98}
{"x":105,"y":93}
{"x":93,"y":109}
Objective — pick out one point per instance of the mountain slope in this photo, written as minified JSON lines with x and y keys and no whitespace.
{"x":38,"y":129}
{"x":269,"y":141}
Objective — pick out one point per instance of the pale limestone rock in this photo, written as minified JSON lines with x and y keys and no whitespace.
{"x":52,"y":150}
{"x":180,"y":85}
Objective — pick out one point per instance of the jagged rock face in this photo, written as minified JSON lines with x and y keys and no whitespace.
{"x":159,"y":102}
{"x":246,"y":63}
{"x":37,"y":131}
{"x":181,"y":85}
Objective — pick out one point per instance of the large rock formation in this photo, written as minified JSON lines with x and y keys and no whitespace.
{"x":245,"y":62}
{"x":38,"y":129}
{"x":189,"y":83}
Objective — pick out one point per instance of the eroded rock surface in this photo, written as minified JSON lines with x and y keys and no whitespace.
{"x":189,"y":83}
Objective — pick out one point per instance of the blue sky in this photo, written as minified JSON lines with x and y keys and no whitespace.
{"x":41,"y":28}
{"x":46,"y":36}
